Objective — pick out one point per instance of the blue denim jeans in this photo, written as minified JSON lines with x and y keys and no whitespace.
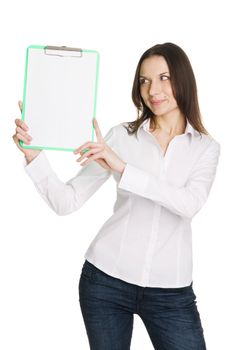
{"x":108,"y":305}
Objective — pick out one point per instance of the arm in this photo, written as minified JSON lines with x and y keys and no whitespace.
{"x":65,"y":198}
{"x":185,"y":201}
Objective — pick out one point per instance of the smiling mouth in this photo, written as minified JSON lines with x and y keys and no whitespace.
{"x":156,"y":102}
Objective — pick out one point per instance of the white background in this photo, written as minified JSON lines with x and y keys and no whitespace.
{"x":41,"y":254}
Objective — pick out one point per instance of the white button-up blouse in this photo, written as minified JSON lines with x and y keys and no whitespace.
{"x":147,"y":240}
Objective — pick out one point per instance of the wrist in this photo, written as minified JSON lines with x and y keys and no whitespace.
{"x":30,"y":158}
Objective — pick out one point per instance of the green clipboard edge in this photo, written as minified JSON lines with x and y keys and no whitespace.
{"x":22,"y":144}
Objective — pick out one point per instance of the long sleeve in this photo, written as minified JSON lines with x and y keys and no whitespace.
{"x":65,"y":198}
{"x":185,"y":201}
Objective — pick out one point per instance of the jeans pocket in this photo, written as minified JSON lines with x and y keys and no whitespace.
{"x":180,"y":298}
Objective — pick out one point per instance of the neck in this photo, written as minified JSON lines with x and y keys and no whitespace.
{"x":170,"y":125}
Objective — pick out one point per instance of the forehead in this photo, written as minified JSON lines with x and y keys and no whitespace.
{"x":154,"y":65}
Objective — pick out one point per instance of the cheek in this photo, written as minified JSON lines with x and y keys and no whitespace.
{"x":169,"y":93}
{"x":168,"y":89}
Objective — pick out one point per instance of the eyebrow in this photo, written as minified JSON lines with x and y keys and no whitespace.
{"x":141,"y":75}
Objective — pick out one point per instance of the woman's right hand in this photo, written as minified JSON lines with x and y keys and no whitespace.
{"x":21,"y":134}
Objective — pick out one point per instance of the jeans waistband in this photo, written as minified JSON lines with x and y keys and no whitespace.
{"x":172,"y":289}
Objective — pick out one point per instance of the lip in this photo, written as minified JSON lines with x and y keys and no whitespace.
{"x":156,"y":102}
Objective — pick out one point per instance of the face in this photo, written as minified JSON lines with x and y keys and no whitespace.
{"x":155,"y":86}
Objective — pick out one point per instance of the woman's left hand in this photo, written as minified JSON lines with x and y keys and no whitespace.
{"x":101,"y":153}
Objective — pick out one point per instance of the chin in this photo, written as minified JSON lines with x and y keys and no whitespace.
{"x":159,"y":111}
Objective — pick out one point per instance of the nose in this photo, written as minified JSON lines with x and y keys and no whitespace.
{"x":155,"y":88}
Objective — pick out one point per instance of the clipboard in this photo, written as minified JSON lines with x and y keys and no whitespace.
{"x":59,"y":96}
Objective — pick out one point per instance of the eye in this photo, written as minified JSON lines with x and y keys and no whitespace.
{"x":143,"y":80}
{"x":164,"y":77}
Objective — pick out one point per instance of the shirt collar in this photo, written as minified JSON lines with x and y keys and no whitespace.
{"x":146,"y":125}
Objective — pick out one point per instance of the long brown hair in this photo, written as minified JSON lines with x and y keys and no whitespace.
{"x":183,"y":85}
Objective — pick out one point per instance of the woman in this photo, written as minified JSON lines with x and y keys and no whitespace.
{"x":164,"y":164}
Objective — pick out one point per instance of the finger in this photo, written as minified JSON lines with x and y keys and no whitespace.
{"x":94,"y":157}
{"x":86,"y":145}
{"x":21,"y":124}
{"x":87,"y":154}
{"x":22,"y":138}
{"x":97,"y":131}
{"x":15,"y":138}
{"x":23,"y":133}
{"x":16,"y":141}
{"x":20,"y":104}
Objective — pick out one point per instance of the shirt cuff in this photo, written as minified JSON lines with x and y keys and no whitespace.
{"x":39,"y":168}
{"x":133,"y":179}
